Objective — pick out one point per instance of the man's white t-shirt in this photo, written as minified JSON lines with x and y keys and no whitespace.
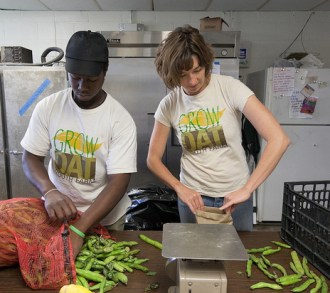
{"x":84,"y":145}
{"x":208,"y":127}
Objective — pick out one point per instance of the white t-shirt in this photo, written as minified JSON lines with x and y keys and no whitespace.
{"x":84,"y":145}
{"x":208,"y":127}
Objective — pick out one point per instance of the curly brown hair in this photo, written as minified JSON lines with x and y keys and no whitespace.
{"x":174,"y":54}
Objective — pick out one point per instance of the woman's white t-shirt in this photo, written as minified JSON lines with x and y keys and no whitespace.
{"x":208,"y":127}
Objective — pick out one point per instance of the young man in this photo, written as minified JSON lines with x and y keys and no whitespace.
{"x":91,"y":140}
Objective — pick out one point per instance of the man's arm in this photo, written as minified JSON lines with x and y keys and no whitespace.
{"x":36,"y":172}
{"x":103,"y":204}
{"x":58,"y":205}
{"x":105,"y":201}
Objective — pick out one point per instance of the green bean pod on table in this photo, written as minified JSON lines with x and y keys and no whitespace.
{"x":104,"y":263}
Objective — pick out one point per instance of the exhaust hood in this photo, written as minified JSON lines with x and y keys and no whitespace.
{"x":144,"y":43}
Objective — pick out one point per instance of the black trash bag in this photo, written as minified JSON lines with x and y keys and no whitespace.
{"x":152,"y":206}
{"x":250,"y":139}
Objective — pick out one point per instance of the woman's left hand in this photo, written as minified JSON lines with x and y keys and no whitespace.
{"x":234,"y":198}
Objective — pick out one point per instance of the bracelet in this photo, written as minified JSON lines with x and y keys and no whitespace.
{"x":77,"y":231}
{"x":49,"y":191}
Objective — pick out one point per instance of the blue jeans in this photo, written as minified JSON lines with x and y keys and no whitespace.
{"x":242,"y":215}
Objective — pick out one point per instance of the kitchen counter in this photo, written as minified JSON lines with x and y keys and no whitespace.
{"x":11,"y":280}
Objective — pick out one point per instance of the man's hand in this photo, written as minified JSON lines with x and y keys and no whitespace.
{"x":59,"y":207}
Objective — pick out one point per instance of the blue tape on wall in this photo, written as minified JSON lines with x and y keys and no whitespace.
{"x":34,"y":96}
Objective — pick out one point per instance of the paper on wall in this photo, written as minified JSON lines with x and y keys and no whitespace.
{"x":283,"y":81}
{"x":308,"y":106}
{"x":307,"y":91}
{"x":296,"y":101}
{"x":302,"y":106}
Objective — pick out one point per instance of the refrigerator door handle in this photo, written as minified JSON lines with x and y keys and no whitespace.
{"x":16,"y":153}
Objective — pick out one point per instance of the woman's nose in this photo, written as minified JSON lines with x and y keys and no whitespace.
{"x":192,"y":79}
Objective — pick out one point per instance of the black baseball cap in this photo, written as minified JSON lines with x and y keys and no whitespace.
{"x":86,"y":53}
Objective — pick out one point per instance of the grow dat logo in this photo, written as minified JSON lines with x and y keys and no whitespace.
{"x":74,"y":155}
{"x":202,"y":129}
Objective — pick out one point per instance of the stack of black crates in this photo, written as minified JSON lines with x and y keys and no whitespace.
{"x":306,"y":221}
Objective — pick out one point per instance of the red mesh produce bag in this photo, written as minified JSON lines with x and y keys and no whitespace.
{"x":42,"y":249}
{"x":8,"y":250}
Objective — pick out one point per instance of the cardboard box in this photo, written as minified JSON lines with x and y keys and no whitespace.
{"x":211,"y":24}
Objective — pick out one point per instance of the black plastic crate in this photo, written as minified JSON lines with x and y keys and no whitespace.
{"x":306,"y":221}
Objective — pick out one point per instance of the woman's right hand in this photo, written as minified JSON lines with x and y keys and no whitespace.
{"x":190,"y":197}
{"x":59,"y":207}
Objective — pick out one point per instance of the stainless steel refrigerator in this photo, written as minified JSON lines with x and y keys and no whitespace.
{"x":3,"y":177}
{"x":300,"y":100}
{"x":21,"y":87}
{"x":132,"y":80}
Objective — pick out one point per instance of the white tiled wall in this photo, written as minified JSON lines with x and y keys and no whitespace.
{"x":270,"y":33}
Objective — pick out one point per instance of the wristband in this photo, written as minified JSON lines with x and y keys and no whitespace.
{"x":49,"y":191}
{"x":77,"y":231}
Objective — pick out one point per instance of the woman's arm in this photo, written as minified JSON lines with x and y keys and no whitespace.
{"x":277,"y":143}
{"x":154,"y":162}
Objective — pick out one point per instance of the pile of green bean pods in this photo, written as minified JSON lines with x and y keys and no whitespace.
{"x":300,"y":279}
{"x":104,"y":263}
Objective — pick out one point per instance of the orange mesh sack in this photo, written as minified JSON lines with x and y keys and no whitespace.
{"x":42,"y":248}
{"x":8,"y":250}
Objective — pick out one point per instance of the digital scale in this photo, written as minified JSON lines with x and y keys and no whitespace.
{"x":195,"y":254}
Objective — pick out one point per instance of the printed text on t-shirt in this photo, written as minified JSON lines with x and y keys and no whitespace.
{"x":202,"y":129}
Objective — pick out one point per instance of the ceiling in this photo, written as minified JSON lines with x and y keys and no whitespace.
{"x":166,"y":5}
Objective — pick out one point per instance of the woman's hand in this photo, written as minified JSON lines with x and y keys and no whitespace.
{"x":190,"y":197}
{"x":231,"y":200}
{"x":59,"y":207}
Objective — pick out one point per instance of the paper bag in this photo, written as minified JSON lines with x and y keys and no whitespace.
{"x":212,"y":215}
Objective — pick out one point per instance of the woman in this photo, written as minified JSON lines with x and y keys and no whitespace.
{"x":205,"y":111}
